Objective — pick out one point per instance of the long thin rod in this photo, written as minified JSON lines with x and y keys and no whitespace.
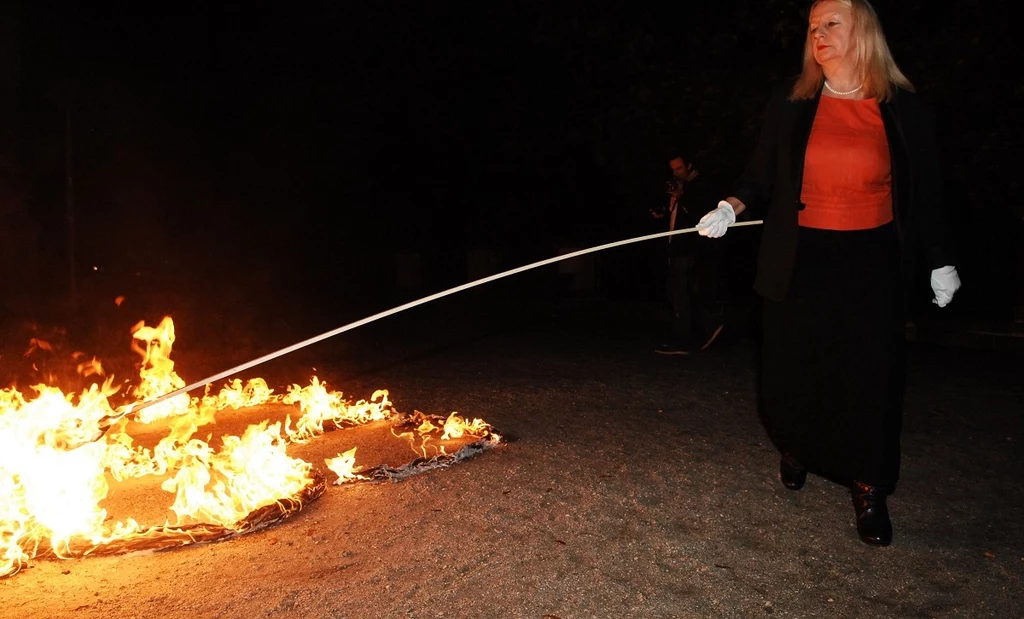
{"x":401,"y":308}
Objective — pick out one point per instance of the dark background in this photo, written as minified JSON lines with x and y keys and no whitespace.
{"x":285,"y":165}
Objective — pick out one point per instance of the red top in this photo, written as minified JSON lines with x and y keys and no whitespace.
{"x":847,"y":182}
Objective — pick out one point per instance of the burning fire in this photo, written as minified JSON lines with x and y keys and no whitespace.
{"x":60,"y":455}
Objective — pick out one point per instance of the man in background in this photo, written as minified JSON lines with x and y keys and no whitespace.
{"x":691,"y":281}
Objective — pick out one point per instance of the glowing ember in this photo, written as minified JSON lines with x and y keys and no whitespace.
{"x":57,"y":465}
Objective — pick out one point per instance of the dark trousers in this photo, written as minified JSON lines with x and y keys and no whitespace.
{"x":691,"y":287}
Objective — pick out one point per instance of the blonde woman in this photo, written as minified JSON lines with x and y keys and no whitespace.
{"x":846,"y":176}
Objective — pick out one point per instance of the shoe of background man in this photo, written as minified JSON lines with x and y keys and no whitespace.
{"x":791,"y":472}
{"x":714,"y":336}
{"x":672,"y":349}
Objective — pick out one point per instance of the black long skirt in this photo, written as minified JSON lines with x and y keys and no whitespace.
{"x":832,"y":375}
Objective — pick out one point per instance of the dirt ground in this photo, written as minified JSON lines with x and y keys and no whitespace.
{"x":633,"y":485}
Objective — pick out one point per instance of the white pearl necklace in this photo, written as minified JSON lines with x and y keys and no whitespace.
{"x":842,"y":94}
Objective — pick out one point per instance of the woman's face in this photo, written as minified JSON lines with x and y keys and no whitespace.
{"x":831,"y":27}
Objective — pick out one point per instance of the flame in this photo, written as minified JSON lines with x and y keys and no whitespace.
{"x":224,"y":487}
{"x":157,"y":373}
{"x":92,"y":367}
{"x":58,"y":459}
{"x":47,"y":491}
{"x":236,"y":395}
{"x":456,"y":426}
{"x":35,"y":344}
{"x":344,"y":466}
{"x":319,"y":406}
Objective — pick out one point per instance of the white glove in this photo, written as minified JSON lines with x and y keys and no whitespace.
{"x":715,"y":223}
{"x":945,"y":282}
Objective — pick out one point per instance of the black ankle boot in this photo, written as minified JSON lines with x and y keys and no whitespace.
{"x":873,"y":524}
{"x":791,"y":472}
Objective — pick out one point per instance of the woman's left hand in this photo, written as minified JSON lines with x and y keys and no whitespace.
{"x":945,"y":282}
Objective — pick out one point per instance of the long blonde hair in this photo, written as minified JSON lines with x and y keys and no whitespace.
{"x":878,"y":70}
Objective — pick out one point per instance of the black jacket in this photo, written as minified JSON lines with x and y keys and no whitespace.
{"x":771,"y":185}
{"x":694,"y":203}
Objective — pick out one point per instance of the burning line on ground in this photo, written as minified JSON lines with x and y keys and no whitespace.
{"x":55,"y":489}
{"x":383,"y":472}
{"x":166,"y":537}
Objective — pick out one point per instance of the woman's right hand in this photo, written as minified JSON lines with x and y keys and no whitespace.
{"x":717,"y":222}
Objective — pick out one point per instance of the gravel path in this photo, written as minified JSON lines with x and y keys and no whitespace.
{"x":633,"y":485}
